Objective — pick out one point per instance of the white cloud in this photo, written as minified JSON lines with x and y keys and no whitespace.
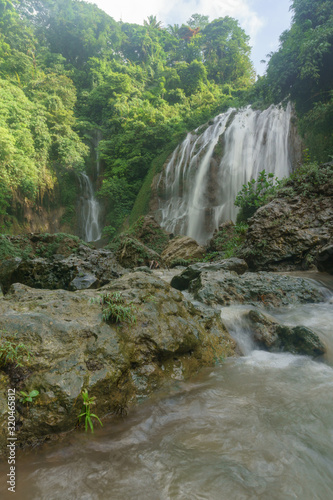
{"x":179,"y":11}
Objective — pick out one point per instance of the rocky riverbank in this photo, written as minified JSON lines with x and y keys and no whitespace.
{"x":73,"y":318}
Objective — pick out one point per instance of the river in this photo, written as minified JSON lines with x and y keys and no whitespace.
{"x":258,"y":427}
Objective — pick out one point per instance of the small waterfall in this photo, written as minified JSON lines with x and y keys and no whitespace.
{"x":89,"y":210}
{"x":198,"y":187}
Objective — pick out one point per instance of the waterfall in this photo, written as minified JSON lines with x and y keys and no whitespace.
{"x":198,"y":187}
{"x":89,"y":210}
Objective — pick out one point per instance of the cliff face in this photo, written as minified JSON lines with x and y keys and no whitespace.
{"x":51,"y":214}
{"x":294,"y":232}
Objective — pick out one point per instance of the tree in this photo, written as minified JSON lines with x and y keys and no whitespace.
{"x":226,"y":52}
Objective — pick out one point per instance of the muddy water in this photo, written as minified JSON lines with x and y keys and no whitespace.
{"x":257,"y":427}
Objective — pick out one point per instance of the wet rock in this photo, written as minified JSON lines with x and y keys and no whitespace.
{"x":269,"y":334}
{"x":324,"y":259}
{"x":182,"y":249}
{"x":183,"y":280}
{"x":74,"y":348}
{"x":226,"y":288}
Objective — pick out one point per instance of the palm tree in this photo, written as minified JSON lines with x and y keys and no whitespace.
{"x":152,"y":23}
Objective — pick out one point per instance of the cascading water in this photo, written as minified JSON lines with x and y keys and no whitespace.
{"x":89,"y":210}
{"x":89,"y":207}
{"x":198,"y":187}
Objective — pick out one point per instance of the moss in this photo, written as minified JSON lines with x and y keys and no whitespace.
{"x":141,"y":205}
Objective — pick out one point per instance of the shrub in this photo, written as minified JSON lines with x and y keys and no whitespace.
{"x":255,"y":194}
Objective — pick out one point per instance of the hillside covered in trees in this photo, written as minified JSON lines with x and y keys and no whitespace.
{"x":69,"y":73}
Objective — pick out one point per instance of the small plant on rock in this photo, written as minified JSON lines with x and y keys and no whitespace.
{"x":86,"y":411}
{"x":28,"y":398}
{"x":12,"y":352}
{"x":115,"y":309}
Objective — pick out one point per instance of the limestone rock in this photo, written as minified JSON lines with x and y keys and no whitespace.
{"x":132,"y":253}
{"x":183,"y":280}
{"x":150,"y":233}
{"x":226,"y":288}
{"x":289,"y":234}
{"x":87,"y":268}
{"x":182,"y":248}
{"x":73,"y":348}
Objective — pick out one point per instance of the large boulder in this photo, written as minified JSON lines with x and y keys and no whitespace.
{"x":132,"y":253}
{"x":295,"y":230}
{"x":87,"y":268}
{"x":226,"y":288}
{"x":150,"y":233}
{"x":271,"y":335}
{"x":182,"y":281}
{"x":73,"y":348}
{"x":182,"y":249}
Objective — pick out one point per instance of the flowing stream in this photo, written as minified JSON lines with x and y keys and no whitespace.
{"x":259,"y":427}
{"x":198,"y":187}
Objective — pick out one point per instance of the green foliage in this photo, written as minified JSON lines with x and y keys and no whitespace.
{"x":115,"y":310}
{"x":226,"y":241}
{"x":28,"y":398}
{"x":88,"y":402}
{"x":302,"y":70}
{"x":13,"y":352}
{"x":310,"y":180}
{"x":255,"y":194}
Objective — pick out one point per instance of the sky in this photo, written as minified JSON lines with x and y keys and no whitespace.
{"x":262,"y":20}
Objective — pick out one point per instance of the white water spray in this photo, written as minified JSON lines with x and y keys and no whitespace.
{"x":200,"y":183}
{"x":89,"y":210}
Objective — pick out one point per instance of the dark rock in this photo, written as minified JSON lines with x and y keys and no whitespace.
{"x":87,"y":268}
{"x":183,"y":280}
{"x":269,"y":334}
{"x":324,"y":259}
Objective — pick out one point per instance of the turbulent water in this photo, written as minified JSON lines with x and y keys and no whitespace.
{"x":89,"y":211}
{"x":259,"y":427}
{"x":198,"y":187}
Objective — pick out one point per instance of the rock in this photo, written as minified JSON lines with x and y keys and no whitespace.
{"x":221,"y":236}
{"x":183,"y":280}
{"x":37,"y":273}
{"x":226,"y":288}
{"x":73,"y":348}
{"x":180,"y":249}
{"x":132,"y":253}
{"x":324,"y":259}
{"x":291,"y":234}
{"x":269,"y":334}
{"x":87,"y":268}
{"x":150,"y":233}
